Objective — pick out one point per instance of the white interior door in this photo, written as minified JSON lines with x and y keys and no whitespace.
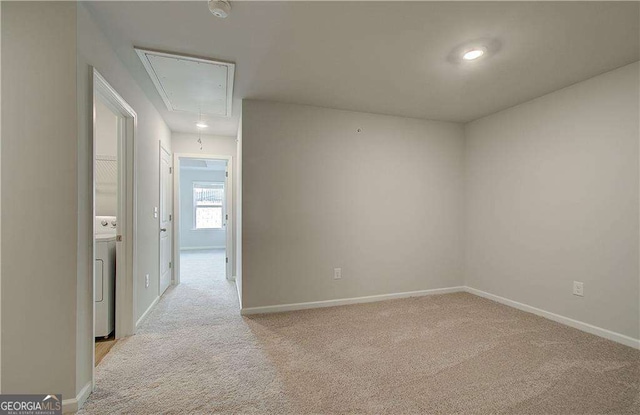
{"x":165,"y":220}
{"x":227,"y":223}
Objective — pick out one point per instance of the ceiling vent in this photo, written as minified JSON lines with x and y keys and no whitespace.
{"x":188,"y":84}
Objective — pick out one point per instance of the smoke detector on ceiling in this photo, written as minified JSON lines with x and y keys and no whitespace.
{"x":219,"y":8}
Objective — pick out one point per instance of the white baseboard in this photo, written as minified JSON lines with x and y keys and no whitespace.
{"x":239,"y":293}
{"x":589,"y":328}
{"x":346,"y":301}
{"x":598,"y":331}
{"x":201,"y":248}
{"x":70,"y":406}
{"x":146,"y":313}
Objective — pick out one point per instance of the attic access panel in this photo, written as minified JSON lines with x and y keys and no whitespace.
{"x":189,"y":84}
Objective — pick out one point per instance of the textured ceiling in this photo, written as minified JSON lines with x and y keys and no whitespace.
{"x":381,"y":57}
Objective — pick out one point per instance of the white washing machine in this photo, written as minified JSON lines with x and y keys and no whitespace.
{"x":105,"y":275}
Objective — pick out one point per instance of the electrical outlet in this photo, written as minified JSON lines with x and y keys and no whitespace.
{"x":146,"y":281}
{"x":578,"y":289}
{"x":337,"y":273}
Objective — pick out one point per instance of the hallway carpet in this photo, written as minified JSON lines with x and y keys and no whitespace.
{"x":453,"y":353}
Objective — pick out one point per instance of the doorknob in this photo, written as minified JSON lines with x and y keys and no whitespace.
{"x":163,"y":229}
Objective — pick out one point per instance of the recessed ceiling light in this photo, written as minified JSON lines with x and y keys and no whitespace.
{"x":201,"y":124}
{"x":473,"y":54}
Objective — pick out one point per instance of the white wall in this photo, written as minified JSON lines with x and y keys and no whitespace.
{"x":95,"y":50}
{"x":219,"y":146}
{"x":385,"y":205}
{"x":552,"y":197}
{"x":191,"y":238}
{"x":39,"y":264}
{"x":106,"y":131}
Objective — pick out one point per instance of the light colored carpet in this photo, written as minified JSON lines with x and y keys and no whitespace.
{"x":454,"y":353}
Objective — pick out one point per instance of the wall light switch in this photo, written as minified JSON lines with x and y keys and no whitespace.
{"x":337,"y":273}
{"x":578,"y":289}
{"x":146,"y":281}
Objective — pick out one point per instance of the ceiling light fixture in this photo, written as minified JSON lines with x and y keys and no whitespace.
{"x":200,"y":124}
{"x":473,"y":54}
{"x":470,"y":52}
{"x":219,"y":8}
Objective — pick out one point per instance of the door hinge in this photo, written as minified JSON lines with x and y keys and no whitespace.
{"x":226,"y":217}
{"x":226,"y":174}
{"x":170,"y":170}
{"x":226,"y":260}
{"x":170,"y":217}
{"x":170,"y":265}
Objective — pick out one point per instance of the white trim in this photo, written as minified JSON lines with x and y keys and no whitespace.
{"x":235,"y":279}
{"x":127,"y":265}
{"x":144,"y":316}
{"x":230,"y":239}
{"x":201,"y":248}
{"x":142,"y":54}
{"x":589,"y":328}
{"x":347,"y":301}
{"x":127,"y":204}
{"x":70,"y":406}
{"x":228,"y":202}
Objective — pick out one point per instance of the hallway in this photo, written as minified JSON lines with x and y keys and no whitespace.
{"x":193,"y":354}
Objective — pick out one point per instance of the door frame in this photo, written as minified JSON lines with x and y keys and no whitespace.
{"x":125,"y":292}
{"x":176,"y":210}
{"x":171,"y":220}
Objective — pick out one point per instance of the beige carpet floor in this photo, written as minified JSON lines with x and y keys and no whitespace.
{"x":445,"y":354}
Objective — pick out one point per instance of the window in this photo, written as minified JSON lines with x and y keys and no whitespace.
{"x":208,"y":205}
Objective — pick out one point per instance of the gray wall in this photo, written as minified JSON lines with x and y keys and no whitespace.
{"x":39,"y":156}
{"x":94,"y":50}
{"x":191,"y":238}
{"x":552,"y":197}
{"x":385,"y":205}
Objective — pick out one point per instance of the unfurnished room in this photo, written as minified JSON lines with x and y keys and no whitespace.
{"x":319,"y":207}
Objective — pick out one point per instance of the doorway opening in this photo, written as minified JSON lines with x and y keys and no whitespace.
{"x":113,"y":196}
{"x":203,"y":208}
